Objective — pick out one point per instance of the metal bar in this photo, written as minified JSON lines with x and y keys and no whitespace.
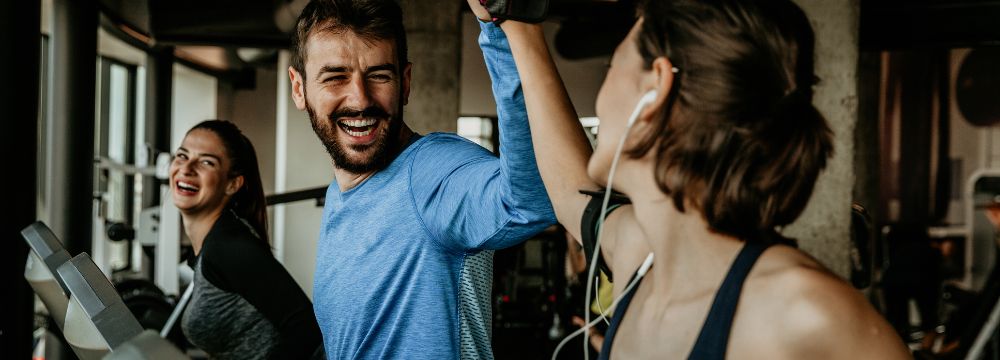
{"x":159,"y":92}
{"x":106,"y":163}
{"x":130,"y":125}
{"x":293,"y":196}
{"x":988,"y":331}
{"x":177,"y":311}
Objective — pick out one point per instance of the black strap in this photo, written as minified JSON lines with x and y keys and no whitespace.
{"x":714,"y":337}
{"x":590,"y":220}
{"x":532,"y":11}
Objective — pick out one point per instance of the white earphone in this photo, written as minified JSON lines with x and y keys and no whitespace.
{"x":644,"y":101}
{"x":648,"y":98}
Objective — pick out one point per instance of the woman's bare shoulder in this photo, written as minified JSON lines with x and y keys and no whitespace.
{"x":815,"y":313}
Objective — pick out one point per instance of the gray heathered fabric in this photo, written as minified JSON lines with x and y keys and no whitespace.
{"x":475,"y":311}
{"x":225,"y":325}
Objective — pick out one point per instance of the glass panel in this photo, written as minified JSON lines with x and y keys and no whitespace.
{"x":117,"y":126}
{"x":477,"y":129}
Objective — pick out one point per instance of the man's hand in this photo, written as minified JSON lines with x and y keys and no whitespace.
{"x":596,"y":338}
{"x":480,"y":11}
{"x":993,"y":214}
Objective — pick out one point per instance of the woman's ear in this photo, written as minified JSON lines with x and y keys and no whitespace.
{"x":660,"y":78}
{"x":234,"y":185}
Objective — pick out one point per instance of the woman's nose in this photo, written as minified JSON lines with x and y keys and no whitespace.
{"x":187,"y":167}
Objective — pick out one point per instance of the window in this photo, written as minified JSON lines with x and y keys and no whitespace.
{"x":115,"y":143}
{"x":479,"y":130}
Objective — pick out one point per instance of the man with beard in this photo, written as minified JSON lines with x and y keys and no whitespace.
{"x":404,"y":261}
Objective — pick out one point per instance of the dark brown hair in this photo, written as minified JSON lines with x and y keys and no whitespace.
{"x":739,"y":138}
{"x":248,"y":202}
{"x":369,"y":19}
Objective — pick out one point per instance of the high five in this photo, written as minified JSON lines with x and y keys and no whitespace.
{"x":724,"y":147}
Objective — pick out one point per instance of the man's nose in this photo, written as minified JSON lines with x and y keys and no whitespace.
{"x":358,"y":93}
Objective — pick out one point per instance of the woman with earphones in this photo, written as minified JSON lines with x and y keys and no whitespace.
{"x":707,"y":127}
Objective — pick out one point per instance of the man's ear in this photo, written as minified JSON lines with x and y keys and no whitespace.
{"x":406,"y":82}
{"x":661,"y":78}
{"x":298,"y":89}
{"x":234,"y":185}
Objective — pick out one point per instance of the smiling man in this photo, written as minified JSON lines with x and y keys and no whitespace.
{"x":404,"y":261}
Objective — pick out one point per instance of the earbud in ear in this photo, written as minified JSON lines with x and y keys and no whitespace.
{"x":649,"y":96}
{"x":646,"y":99}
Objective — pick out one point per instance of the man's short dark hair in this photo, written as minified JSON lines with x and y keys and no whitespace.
{"x":369,"y":19}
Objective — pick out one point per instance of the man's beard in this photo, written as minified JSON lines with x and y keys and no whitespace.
{"x":385,"y":145}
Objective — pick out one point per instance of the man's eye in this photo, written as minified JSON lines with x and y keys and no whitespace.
{"x":335,"y":78}
{"x":381,"y":77}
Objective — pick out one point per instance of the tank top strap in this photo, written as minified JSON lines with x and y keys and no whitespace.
{"x":713,"y":339}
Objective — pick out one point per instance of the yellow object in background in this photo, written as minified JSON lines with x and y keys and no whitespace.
{"x":605,"y":292}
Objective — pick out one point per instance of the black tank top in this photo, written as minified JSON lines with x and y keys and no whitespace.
{"x":714,"y":337}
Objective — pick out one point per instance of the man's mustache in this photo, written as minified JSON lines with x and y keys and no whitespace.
{"x":373,"y":111}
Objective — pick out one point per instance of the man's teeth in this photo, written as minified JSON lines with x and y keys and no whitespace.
{"x":353,"y":125}
{"x":359,"y":123}
{"x":359,"y":133}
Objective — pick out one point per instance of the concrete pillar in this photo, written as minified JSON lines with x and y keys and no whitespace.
{"x":433,"y":33}
{"x":823,"y":230}
{"x":19,"y":64}
{"x":256,"y":118}
{"x":71,"y":130}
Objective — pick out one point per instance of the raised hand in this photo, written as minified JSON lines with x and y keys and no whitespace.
{"x":480,"y":10}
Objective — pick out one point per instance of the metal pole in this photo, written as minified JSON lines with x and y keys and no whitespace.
{"x":159,"y":91}
{"x":178,"y":310}
{"x":989,"y":330}
{"x":19,"y":70}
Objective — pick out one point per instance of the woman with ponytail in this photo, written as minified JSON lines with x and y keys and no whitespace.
{"x":708,"y":128}
{"x":244,"y":304}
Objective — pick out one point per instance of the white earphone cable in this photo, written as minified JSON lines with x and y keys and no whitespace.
{"x":642,"y":272}
{"x":646,"y":99}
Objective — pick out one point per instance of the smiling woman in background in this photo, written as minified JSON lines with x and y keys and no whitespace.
{"x":244,"y":305}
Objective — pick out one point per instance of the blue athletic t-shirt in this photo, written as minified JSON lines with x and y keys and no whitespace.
{"x":394,"y":252}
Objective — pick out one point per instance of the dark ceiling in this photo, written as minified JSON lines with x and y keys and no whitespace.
{"x":589,"y":27}
{"x":252,"y":23}
{"x":923,"y":24}
{"x":200,"y":22}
